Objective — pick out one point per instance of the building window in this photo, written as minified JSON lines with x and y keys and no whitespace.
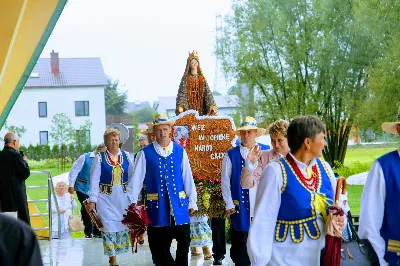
{"x":44,"y":137}
{"x":42,"y":109}
{"x":82,"y":108}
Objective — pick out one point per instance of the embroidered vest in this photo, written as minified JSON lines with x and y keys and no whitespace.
{"x":390,"y":164}
{"x":241,"y":219}
{"x":297,"y":214}
{"x":164,"y":187}
{"x":113,"y":175}
{"x":82,"y":183}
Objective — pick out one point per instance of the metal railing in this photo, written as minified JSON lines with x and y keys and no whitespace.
{"x":50,"y":191}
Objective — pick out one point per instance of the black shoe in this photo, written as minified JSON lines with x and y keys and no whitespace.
{"x":97,"y":236}
{"x":218,"y":262}
{"x":86,"y":236}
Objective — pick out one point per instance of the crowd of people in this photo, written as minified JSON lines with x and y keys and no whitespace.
{"x":276,"y":199}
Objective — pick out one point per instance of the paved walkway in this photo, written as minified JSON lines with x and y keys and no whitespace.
{"x":88,"y":252}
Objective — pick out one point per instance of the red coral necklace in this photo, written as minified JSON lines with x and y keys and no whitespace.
{"x":310,"y":182}
{"x":112,"y":162}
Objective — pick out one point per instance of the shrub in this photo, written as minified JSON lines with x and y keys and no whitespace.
{"x":23,"y":148}
{"x":55,"y":151}
{"x":356,"y":168}
{"x":47,"y":163}
{"x":31,"y":152}
{"x":88,"y":148}
{"x":46,"y":151}
{"x":71,"y":150}
{"x":39,"y":152}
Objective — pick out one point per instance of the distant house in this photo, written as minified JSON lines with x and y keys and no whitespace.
{"x":227,"y":104}
{"x":74,"y":86}
{"x":132,"y":107}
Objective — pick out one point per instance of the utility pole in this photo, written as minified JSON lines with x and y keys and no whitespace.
{"x":218,"y":76}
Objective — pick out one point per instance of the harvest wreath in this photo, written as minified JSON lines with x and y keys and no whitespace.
{"x":206,"y":139}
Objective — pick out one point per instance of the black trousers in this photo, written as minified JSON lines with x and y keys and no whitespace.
{"x":238,"y":249}
{"x":89,"y":227}
{"x":160,"y":240}
{"x":218,"y":238}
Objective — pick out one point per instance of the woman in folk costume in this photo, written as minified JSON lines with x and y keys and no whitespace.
{"x":194,"y":92}
{"x":239,"y":202}
{"x":257,"y":159}
{"x":380,"y":202}
{"x":109,"y":180}
{"x":292,"y":200}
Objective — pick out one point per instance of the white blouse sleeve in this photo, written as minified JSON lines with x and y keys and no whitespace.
{"x":268,"y":202}
{"x":188,"y":182}
{"x":95,"y":173}
{"x":226,"y":182}
{"x":373,"y":209}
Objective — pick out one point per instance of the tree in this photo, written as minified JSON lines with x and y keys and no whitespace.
{"x":144,"y":115}
{"x":216,"y":93}
{"x":115,"y":99}
{"x":61,"y":133}
{"x":303,"y":57}
{"x":380,"y":19}
{"x":80,"y":136}
{"x":20,"y":131}
{"x":136,"y":133}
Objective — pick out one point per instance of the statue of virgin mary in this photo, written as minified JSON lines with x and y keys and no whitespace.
{"x":194,"y":92}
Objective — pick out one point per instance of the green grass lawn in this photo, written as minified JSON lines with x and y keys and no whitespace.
{"x":363,"y":154}
{"x":367,"y":153}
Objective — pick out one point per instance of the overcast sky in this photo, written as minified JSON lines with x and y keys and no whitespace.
{"x":144,"y":44}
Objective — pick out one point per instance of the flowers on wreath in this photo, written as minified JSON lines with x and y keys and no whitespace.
{"x":209,"y":194}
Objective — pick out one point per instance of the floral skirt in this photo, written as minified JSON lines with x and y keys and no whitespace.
{"x":200,"y":234}
{"x":115,"y":243}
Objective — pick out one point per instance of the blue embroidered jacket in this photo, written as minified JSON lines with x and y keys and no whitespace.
{"x":390,"y":164}
{"x":82,"y":183}
{"x":297,"y":211}
{"x":164,"y":187}
{"x":241,"y":219}
{"x":107,"y":170}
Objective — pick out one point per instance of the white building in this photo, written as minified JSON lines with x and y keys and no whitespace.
{"x":226,"y":104}
{"x":74,"y":86}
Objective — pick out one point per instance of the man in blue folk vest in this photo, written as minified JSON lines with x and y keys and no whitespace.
{"x":239,"y":203}
{"x":79,"y":181}
{"x":171,"y":194}
{"x":380,"y":202}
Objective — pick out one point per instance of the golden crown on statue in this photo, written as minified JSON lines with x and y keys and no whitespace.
{"x":193,"y":54}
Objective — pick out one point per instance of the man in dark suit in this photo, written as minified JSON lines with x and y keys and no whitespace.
{"x":18,"y":244}
{"x":14,"y":171}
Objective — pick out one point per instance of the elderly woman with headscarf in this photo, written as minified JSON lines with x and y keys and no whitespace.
{"x":109,"y":179}
{"x":65,"y":202}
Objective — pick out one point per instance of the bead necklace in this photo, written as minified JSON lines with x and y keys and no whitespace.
{"x":114,"y":161}
{"x":311,"y":181}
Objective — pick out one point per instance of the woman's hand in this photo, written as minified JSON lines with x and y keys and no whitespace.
{"x":254,"y":154}
{"x":338,"y":222}
{"x":62,"y":211}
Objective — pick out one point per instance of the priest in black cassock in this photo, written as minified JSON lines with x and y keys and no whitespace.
{"x":18,"y":243}
{"x":14,"y":171}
